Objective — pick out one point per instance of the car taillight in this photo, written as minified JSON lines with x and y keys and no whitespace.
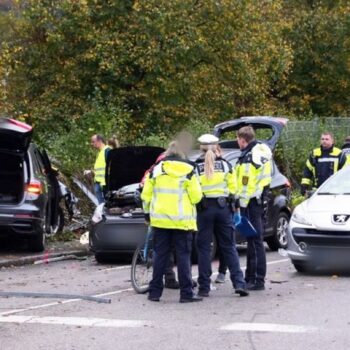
{"x":34,"y":187}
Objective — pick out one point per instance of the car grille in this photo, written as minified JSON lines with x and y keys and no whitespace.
{"x":320,"y":238}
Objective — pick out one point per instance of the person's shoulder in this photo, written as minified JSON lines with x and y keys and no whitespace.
{"x":261,"y":154}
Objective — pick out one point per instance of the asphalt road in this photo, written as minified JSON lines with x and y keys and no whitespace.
{"x":294,"y":312}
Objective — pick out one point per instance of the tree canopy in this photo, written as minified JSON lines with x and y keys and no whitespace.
{"x":143,"y":68}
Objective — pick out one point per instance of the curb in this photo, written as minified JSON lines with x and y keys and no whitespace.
{"x":21,"y":261}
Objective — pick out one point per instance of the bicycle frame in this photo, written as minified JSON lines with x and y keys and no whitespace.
{"x":149,"y":238}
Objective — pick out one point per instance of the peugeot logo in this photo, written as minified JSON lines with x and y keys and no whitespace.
{"x":340,"y":219}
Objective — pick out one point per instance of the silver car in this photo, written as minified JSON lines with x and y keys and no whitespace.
{"x":318,"y":233}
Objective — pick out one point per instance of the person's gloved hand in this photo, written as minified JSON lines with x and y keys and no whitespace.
{"x":237,"y":218}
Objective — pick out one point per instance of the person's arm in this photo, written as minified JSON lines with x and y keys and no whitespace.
{"x":147,"y":194}
{"x":308,"y":175}
{"x":194,"y":189}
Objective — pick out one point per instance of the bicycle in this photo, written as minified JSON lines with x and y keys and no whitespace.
{"x":142,"y":265}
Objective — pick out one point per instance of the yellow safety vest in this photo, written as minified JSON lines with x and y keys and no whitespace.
{"x":169,"y":195}
{"x":100,"y":166}
{"x":253,"y":172}
{"x":221,"y":184}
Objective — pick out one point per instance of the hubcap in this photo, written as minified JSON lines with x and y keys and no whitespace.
{"x":282,"y":225}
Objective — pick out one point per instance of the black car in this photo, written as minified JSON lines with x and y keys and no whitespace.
{"x":118,"y":225}
{"x":29,"y":189}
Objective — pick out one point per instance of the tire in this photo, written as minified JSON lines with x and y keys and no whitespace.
{"x":279,"y":237}
{"x":301,"y":266}
{"x":141,"y":270}
{"x":37,"y":243}
{"x":102,"y":258}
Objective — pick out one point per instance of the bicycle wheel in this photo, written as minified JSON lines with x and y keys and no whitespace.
{"x":141,"y":270}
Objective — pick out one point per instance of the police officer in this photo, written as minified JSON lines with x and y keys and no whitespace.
{"x":215,"y":213}
{"x":253,"y":172}
{"x":322,"y":163}
{"x":169,"y":196}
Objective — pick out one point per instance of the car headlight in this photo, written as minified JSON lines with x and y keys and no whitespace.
{"x":300,"y":216}
{"x":98,"y":214}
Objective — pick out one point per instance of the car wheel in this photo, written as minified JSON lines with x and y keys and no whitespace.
{"x":105,"y":258}
{"x":37,"y":243}
{"x":300,"y":266}
{"x":279,"y":237}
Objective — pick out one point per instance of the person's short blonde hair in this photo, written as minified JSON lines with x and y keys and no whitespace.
{"x":246,"y":133}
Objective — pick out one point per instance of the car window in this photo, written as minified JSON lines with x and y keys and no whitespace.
{"x":37,"y":161}
{"x":228,"y":136}
{"x":337,"y":184}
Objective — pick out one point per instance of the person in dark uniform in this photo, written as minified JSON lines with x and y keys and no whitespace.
{"x":218,"y":184}
{"x":169,"y":196}
{"x":253,"y":174}
{"x":322,"y":163}
{"x":345,"y":152}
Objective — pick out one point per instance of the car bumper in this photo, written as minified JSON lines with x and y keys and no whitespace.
{"x":22,"y":221}
{"x":310,"y":244}
{"x":116,"y":234}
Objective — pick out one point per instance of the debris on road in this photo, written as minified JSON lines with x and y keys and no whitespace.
{"x":46,"y":260}
{"x":279,"y":282}
{"x":54,"y":296}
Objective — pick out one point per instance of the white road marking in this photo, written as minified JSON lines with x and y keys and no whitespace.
{"x":42,"y":306}
{"x":267,"y":327}
{"x":74,"y":321}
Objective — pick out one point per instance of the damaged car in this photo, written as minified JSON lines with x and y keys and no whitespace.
{"x":118,"y":226}
{"x":29,"y":188}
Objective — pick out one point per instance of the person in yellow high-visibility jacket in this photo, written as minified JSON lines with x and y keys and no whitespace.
{"x":253,"y":170}
{"x":169,"y":195}
{"x":98,"y":142}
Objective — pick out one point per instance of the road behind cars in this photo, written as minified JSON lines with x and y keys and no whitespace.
{"x":295,"y":311}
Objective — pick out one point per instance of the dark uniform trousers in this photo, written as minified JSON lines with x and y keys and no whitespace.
{"x":256,"y":259}
{"x":163,"y":242}
{"x":219,"y":220}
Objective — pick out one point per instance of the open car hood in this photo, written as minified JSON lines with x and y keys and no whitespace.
{"x":273,"y":126}
{"x":127,"y":165}
{"x":15,"y":136}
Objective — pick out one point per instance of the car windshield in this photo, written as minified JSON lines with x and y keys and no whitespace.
{"x":337,"y":184}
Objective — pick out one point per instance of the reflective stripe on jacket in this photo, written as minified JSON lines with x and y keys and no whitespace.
{"x":221,"y":184}
{"x":170,"y":193}
{"x":253,"y":172}
{"x":320,"y":165}
{"x":100,"y":166}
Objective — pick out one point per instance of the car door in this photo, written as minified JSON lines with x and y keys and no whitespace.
{"x":53,"y":190}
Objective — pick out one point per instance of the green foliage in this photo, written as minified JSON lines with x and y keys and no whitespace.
{"x":320,"y":79}
{"x":146,"y":69}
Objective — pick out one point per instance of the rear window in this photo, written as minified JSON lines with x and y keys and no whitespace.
{"x":228,"y":136}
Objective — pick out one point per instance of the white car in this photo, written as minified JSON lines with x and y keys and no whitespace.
{"x":318,"y":233}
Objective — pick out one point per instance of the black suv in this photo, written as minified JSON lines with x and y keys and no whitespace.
{"x":118,"y":226}
{"x":29,"y":189}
